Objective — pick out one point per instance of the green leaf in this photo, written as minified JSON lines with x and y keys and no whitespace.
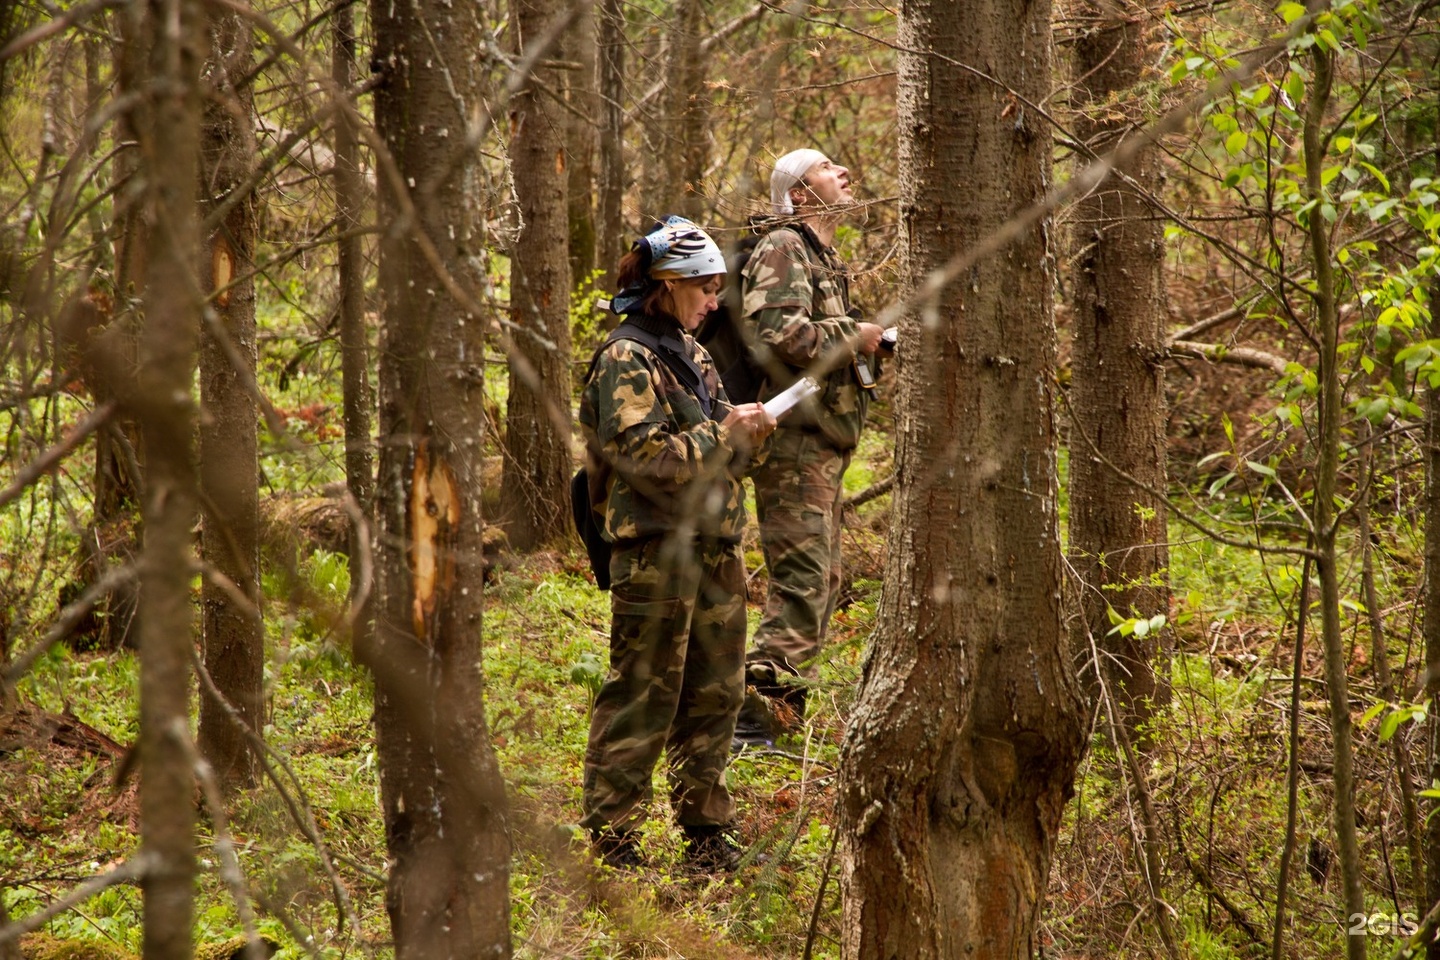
{"x":1374,"y":711}
{"x":1236,"y":142}
{"x":1260,"y":468}
{"x":1375,"y":172}
{"x":1389,"y":725}
{"x":1290,"y":12}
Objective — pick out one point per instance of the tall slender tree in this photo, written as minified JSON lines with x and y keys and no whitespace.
{"x":1324,"y":518}
{"x":229,"y":483}
{"x":670,"y":116}
{"x":357,"y":398}
{"x":581,"y":138}
{"x":443,"y":797}
{"x":963,"y":746}
{"x":538,"y":462}
{"x":1117,"y":528}
{"x":610,"y":245}
{"x":164,"y":51}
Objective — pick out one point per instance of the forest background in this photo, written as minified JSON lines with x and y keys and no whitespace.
{"x":1140,"y":637}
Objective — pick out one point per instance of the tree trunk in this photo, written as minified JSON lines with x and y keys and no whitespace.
{"x":234,"y":640}
{"x":676,"y":139}
{"x":536,"y":494}
{"x":968,"y":730}
{"x":357,"y":397}
{"x":1432,"y":628}
{"x":443,"y":797}
{"x":165,"y":47}
{"x":1324,"y":519}
{"x":1117,"y":530}
{"x":611,"y":244}
{"x":580,"y":134}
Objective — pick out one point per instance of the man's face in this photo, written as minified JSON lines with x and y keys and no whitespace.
{"x":827,"y":184}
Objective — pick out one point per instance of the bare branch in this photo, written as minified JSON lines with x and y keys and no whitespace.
{"x":44,"y":463}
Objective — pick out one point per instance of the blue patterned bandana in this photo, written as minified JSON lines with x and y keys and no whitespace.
{"x":676,"y":250}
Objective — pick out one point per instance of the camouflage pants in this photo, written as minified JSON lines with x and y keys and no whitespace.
{"x":677,"y":648}
{"x":798,"y":499}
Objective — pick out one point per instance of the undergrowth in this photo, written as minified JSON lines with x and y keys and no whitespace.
{"x":1214,"y":768}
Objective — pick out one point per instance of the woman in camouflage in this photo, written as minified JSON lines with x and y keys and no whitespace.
{"x":665,"y":450}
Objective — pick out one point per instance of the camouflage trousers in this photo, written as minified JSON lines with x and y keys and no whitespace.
{"x":677,"y":649}
{"x":798,"y":500}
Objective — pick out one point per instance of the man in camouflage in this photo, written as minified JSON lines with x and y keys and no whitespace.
{"x":664,"y":452}
{"x":797,"y":316}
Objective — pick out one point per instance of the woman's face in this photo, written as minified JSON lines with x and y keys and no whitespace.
{"x":691,"y":300}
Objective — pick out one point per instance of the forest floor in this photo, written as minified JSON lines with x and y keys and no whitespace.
{"x":1214,"y":789}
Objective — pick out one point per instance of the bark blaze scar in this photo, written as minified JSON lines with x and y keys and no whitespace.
{"x":222,"y":269}
{"x":434,"y":519}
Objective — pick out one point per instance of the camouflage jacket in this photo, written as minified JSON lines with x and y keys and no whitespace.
{"x":656,"y":461}
{"x":797,"y":304}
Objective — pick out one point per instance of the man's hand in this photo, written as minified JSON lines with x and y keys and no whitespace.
{"x":869,"y":336}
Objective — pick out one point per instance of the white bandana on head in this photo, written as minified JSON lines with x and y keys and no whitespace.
{"x":789,"y":171}
{"x":677,"y":250}
{"x":680,"y":249}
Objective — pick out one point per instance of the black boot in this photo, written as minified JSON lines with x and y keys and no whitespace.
{"x":619,"y":849}
{"x":711,"y":849}
{"x":755,"y":727}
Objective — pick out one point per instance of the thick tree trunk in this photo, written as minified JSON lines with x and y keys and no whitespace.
{"x":581,"y":132}
{"x":538,"y":463}
{"x":964,"y":743}
{"x":611,"y":245}
{"x":1117,"y":530}
{"x":1323,"y":517}
{"x":165,"y":47}
{"x":357,"y":397}
{"x":229,"y":483}
{"x":443,"y":797}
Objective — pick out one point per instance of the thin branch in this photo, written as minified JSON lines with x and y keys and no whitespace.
{"x":47,"y":461}
{"x":134,"y":868}
{"x":69,"y":617}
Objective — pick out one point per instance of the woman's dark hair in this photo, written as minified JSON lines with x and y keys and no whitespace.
{"x":633,"y":271}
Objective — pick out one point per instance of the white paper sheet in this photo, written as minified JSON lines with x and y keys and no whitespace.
{"x":780,"y":404}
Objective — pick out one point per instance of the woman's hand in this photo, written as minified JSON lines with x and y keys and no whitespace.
{"x":749,"y":424}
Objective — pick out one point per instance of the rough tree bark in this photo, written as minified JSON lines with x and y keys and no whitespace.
{"x":675,"y":135}
{"x":234,"y":643}
{"x":536,"y":494}
{"x":443,"y":796}
{"x":610,"y":224}
{"x":164,"y":50}
{"x":581,"y":132}
{"x":963,"y":746}
{"x":1117,"y":531}
{"x":357,"y":397}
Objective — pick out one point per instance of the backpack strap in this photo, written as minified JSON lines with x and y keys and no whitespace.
{"x":671,"y":352}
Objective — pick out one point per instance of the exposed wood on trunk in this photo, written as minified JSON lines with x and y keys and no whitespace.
{"x":442,"y":795}
{"x":234,"y":642}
